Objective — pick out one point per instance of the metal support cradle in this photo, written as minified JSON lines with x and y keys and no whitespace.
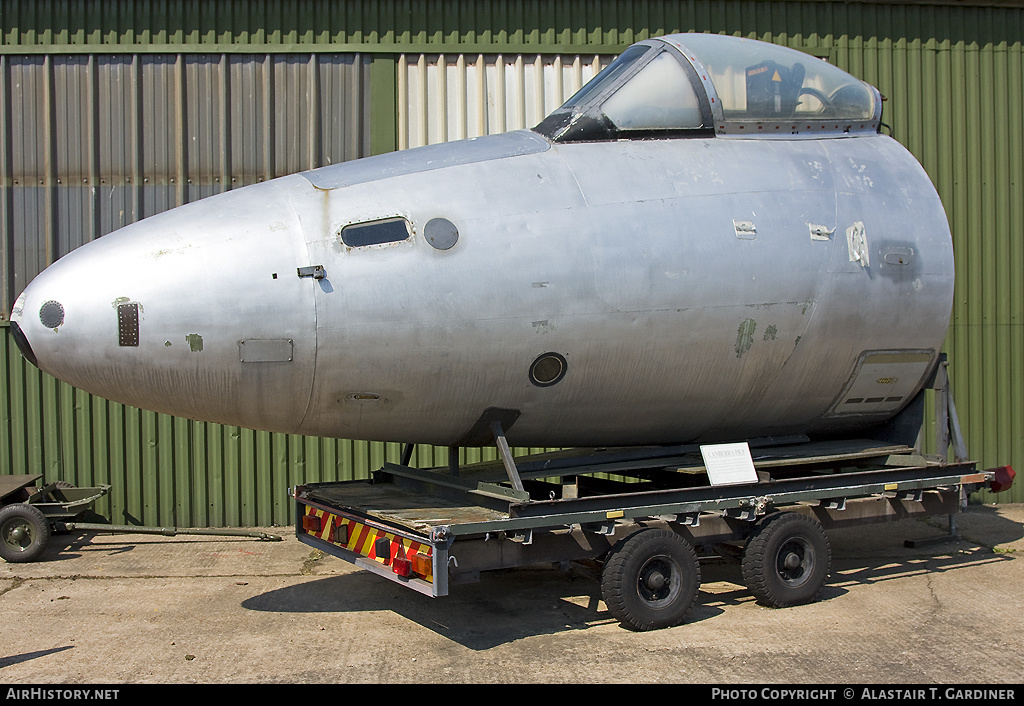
{"x":506,"y":456}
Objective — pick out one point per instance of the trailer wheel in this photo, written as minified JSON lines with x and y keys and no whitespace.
{"x":24,"y":533}
{"x":786,"y":560}
{"x":650,"y":579}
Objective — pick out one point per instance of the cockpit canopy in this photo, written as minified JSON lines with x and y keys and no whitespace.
{"x":693,"y":84}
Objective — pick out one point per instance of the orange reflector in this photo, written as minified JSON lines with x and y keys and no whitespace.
{"x":311,"y":523}
{"x":421,"y":564}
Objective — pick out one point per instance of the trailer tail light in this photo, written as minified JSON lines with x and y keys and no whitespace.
{"x":311,"y":523}
{"x":401,"y":564}
{"x":421,"y":564}
{"x":1004,"y":476}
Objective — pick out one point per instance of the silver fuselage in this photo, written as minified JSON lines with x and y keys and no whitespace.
{"x":702,"y":288}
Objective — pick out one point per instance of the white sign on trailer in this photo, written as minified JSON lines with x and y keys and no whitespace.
{"x":729,"y":464}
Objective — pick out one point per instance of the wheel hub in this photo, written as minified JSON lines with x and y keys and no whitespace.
{"x":795,"y":562}
{"x":17,"y":535}
{"x":655,"y":580}
{"x":656,"y":584}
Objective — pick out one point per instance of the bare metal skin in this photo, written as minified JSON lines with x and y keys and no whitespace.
{"x":760,"y":261}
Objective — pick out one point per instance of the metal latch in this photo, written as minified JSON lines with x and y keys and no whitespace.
{"x":314,"y":271}
{"x":820,"y":232}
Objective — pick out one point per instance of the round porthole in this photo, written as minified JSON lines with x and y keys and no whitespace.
{"x":51,"y":314}
{"x":441,"y":233}
{"x":547,"y":369}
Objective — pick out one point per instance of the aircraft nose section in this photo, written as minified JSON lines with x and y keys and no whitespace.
{"x":50,"y":316}
{"x":21,"y":341}
{"x":196,"y":312}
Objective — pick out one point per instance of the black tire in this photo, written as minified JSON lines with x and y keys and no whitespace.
{"x":651,"y":579}
{"x":786,"y":560}
{"x":24,"y":533}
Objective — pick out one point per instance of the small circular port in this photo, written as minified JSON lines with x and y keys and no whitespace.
{"x":547,"y":369}
{"x":51,"y":314}
{"x":441,"y":233}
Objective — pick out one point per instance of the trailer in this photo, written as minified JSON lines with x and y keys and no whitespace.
{"x":648,"y":515}
{"x":30,"y":515}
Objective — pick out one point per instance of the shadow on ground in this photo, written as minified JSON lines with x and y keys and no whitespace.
{"x":512,"y":604}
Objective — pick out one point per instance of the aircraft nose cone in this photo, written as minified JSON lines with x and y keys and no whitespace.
{"x":21,"y":341}
{"x":157,"y":314}
{"x":51,"y":316}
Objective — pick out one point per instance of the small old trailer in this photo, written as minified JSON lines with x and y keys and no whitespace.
{"x":30,"y":514}
{"x":647,"y":514}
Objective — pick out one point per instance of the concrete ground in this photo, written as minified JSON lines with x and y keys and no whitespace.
{"x":149,"y":609}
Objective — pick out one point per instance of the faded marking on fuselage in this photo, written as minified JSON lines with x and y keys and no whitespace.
{"x":125,"y":300}
{"x":745,"y":336}
{"x":195,"y":342}
{"x":745,"y":230}
{"x":857,"y":244}
{"x":170,"y":251}
{"x":770,"y":333}
{"x":767,"y":306}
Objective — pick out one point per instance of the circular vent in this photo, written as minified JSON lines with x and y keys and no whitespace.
{"x":547,"y":369}
{"x":51,"y":314}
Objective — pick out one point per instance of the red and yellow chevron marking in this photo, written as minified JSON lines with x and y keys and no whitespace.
{"x":361,"y":539}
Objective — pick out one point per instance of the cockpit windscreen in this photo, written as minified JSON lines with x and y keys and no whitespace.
{"x":757,"y":81}
{"x":690,"y":85}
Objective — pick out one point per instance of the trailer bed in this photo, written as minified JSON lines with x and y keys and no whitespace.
{"x":433,"y":528}
{"x":403,"y":508}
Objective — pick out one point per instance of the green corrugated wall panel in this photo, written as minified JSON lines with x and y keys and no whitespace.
{"x":953,"y":76}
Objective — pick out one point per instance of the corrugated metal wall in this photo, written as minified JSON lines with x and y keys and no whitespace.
{"x":99,"y":95}
{"x":94,"y":142}
{"x":444,"y":97}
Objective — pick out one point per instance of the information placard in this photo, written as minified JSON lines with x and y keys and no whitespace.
{"x":729,"y":464}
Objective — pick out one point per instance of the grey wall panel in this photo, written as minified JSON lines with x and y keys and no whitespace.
{"x":94,"y":142}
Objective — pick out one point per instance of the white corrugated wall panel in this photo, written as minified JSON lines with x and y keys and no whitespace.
{"x":443,"y":97}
